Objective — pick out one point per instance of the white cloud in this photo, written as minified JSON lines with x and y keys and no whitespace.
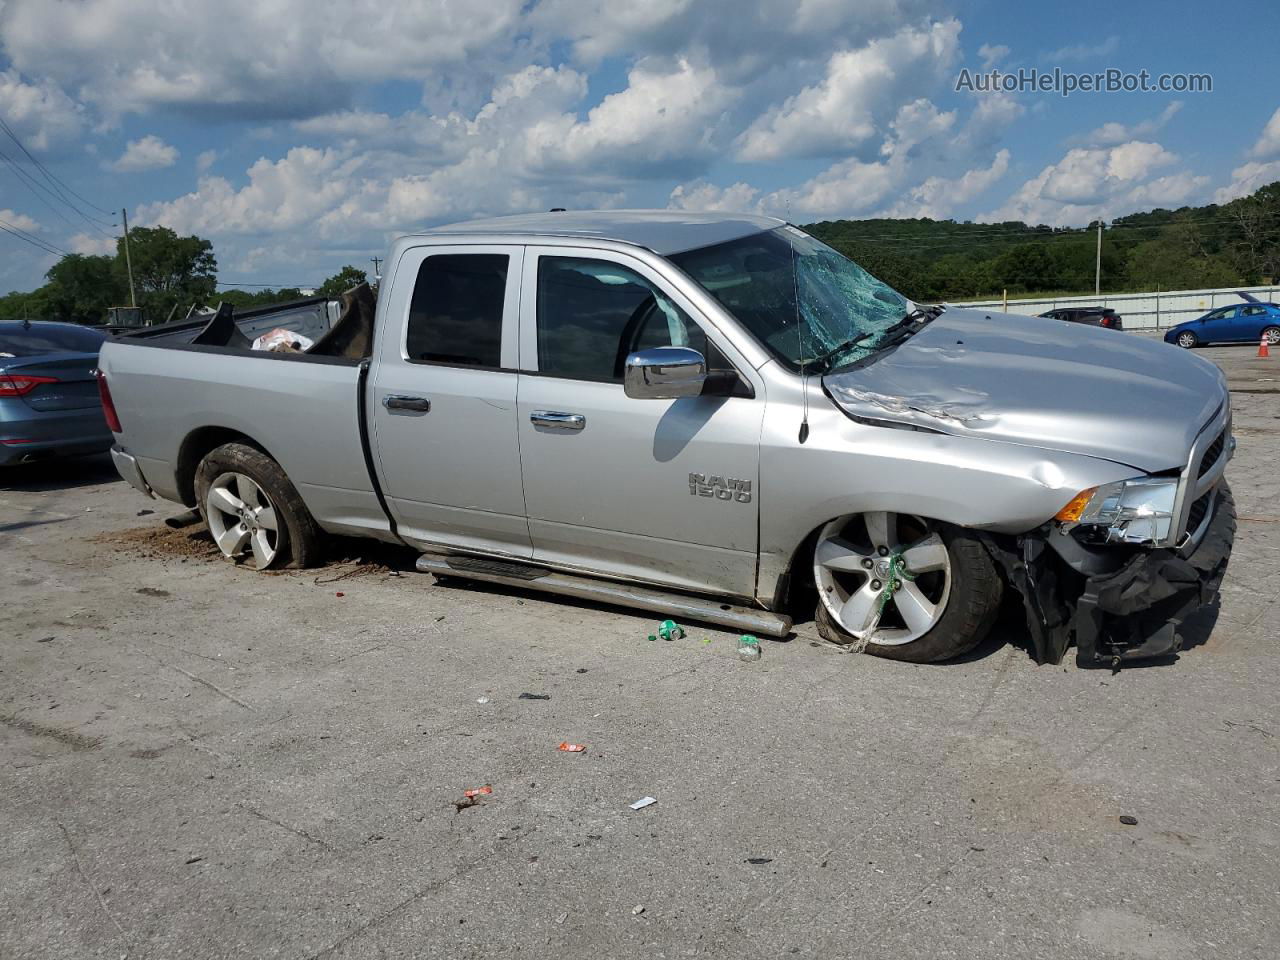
{"x":205,"y":160}
{"x":39,"y":113}
{"x":1099,"y":182}
{"x":1084,"y":51}
{"x":992,"y":53}
{"x":20,"y":220}
{"x":148,"y":153}
{"x":664,"y":121}
{"x":741,"y":41}
{"x":280,"y":195}
{"x":703,"y":196}
{"x":92,"y":244}
{"x":938,"y":197}
{"x":1247,"y":178}
{"x":860,"y":86}
{"x":1113,"y":133}
{"x":281,"y":59}
{"x":1268,"y":144}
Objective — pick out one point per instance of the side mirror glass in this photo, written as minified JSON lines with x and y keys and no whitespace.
{"x":664,"y":373}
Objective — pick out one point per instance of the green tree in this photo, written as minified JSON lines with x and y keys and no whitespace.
{"x":80,"y":288}
{"x":342,"y":281}
{"x":168,"y":270}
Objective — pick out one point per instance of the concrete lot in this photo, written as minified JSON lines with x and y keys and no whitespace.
{"x":199,"y":761}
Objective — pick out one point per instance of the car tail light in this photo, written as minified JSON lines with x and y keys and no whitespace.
{"x":108,"y":405}
{"x":18,"y":384}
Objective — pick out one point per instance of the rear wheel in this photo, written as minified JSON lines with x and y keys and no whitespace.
{"x":1187,"y":340}
{"x":253,"y":512}
{"x":1272,"y":335}
{"x":903,"y":587}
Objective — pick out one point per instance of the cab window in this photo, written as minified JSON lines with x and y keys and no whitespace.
{"x":592,"y":313}
{"x":455,"y":316}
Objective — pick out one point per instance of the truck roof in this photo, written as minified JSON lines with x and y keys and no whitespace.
{"x":663,"y":231}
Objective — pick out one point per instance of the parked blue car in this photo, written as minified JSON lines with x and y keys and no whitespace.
{"x":1238,"y":323}
{"x":49,"y":400}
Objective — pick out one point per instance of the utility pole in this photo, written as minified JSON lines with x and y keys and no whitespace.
{"x":377,"y":262}
{"x":1097,"y":265}
{"x":128,"y":263}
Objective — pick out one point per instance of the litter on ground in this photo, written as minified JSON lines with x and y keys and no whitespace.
{"x":642,"y":803}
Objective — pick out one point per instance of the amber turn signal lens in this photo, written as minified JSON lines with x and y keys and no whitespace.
{"x":1071,"y":512}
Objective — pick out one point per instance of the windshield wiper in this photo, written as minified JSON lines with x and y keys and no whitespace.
{"x":916,"y":316}
{"x":823,"y":360}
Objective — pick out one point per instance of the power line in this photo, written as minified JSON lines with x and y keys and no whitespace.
{"x":49,"y":175}
{"x":35,"y":241}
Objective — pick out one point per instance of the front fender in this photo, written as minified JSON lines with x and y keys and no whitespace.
{"x":846,"y":467}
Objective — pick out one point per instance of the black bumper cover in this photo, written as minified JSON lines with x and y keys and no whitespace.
{"x":1131,"y":613}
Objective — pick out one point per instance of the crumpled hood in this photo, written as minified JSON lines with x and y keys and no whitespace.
{"x":1041,"y":382}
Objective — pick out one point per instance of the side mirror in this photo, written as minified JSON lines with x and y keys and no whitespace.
{"x":664,"y":373}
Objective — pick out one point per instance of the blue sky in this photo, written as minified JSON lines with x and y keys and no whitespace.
{"x":302,"y":136}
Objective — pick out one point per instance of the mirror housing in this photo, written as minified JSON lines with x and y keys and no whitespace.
{"x":664,"y":373}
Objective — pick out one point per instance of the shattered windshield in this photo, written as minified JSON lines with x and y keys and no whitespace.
{"x":844,"y":312}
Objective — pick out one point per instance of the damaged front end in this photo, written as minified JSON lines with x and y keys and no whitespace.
{"x":1117,"y":604}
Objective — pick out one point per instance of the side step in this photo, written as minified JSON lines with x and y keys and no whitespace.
{"x":676,"y":605}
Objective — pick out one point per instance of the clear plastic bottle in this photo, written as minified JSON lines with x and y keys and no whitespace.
{"x":748,"y":647}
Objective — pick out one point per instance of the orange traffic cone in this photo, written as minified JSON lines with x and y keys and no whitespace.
{"x":1262,"y":347}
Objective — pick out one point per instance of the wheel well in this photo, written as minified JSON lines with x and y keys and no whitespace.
{"x":797,"y":593}
{"x":198,"y":444}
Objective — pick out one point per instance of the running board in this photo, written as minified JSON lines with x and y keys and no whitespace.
{"x":675,"y":605}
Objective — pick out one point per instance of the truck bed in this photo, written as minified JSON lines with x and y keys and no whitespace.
{"x":176,"y":399}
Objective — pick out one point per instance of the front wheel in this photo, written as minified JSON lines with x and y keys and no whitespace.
{"x":253,"y":511}
{"x":1187,"y":340}
{"x":903,"y":587}
{"x":1272,"y":335}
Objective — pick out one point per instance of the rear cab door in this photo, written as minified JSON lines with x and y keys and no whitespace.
{"x":442,"y":401}
{"x":663,"y":491}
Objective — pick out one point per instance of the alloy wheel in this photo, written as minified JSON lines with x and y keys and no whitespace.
{"x":242,"y":520}
{"x":883,"y":577}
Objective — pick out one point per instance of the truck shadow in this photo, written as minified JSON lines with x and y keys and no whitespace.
{"x":59,"y":474}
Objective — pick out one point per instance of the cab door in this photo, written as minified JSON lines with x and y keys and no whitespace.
{"x":663,"y":491}
{"x":442,"y":401}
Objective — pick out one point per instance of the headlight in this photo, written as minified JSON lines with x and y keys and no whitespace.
{"x":1127,"y":511}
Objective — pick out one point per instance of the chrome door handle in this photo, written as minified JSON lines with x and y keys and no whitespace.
{"x":554,"y":420}
{"x":397,"y":402}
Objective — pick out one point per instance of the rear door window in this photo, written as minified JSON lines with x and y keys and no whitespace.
{"x":455,"y":315}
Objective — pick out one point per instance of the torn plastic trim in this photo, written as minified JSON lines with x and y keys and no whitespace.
{"x":1127,"y":613}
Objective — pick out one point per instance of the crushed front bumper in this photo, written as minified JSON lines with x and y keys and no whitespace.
{"x":1132,"y":612}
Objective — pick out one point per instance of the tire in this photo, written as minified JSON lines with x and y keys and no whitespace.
{"x":1273,"y":335}
{"x":296,"y":540}
{"x":970,"y":603}
{"x":1187,"y":340}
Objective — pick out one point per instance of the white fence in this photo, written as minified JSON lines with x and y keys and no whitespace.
{"x":1151,"y":311}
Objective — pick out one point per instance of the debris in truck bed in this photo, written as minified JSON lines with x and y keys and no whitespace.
{"x":281,"y":340}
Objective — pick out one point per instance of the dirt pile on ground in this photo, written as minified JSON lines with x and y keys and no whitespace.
{"x":156,"y":541}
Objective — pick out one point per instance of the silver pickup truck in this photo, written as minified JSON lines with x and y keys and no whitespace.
{"x":713,"y":416}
